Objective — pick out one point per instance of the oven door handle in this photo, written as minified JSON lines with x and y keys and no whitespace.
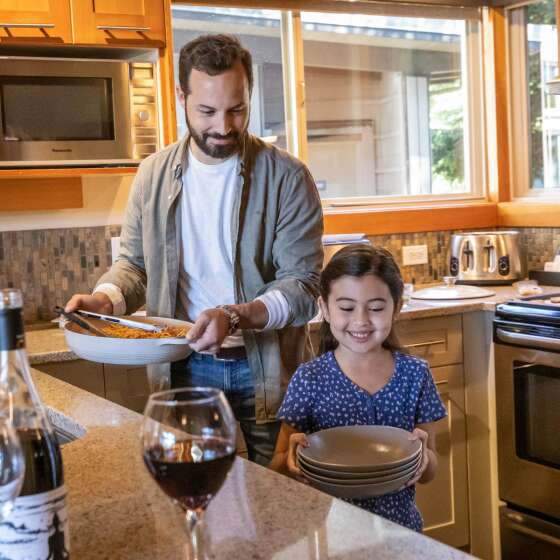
{"x":527,"y":531}
{"x":529,"y":340}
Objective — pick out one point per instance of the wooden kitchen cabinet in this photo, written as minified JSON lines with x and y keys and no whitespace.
{"x":119,"y":22}
{"x":32,"y":21}
{"x":134,"y":23}
{"x":81,"y":373}
{"x":124,"y":385}
{"x":438,"y":340}
{"x":444,"y":501}
{"x":127,"y":385}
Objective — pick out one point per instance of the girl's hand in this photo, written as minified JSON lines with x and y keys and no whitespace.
{"x":417,"y":433}
{"x":291,"y":462}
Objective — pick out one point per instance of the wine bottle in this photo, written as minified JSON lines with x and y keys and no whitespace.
{"x":37,"y":528}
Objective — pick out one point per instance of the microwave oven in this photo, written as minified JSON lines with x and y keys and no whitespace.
{"x":76,"y":112}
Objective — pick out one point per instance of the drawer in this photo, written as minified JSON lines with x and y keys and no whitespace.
{"x":438,"y":340}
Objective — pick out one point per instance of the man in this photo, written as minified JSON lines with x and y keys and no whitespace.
{"x":224,"y":230}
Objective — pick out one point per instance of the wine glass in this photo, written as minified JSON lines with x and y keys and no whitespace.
{"x":188,"y":443}
{"x":12,"y":467}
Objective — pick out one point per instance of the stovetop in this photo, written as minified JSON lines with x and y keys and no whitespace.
{"x":541,"y":309}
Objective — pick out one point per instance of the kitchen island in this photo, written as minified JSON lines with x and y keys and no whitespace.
{"x":117,"y":512}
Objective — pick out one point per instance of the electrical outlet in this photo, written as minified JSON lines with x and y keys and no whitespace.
{"x":414,"y":254}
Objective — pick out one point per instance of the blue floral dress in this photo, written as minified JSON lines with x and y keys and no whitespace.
{"x":321,"y":396}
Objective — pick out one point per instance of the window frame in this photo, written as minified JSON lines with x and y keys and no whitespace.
{"x":518,"y":119}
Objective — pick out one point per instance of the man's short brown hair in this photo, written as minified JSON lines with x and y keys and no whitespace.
{"x":213,"y":55}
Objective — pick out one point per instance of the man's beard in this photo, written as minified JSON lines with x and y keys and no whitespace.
{"x":217,"y":151}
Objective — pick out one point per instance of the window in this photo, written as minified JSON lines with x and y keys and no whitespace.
{"x":393,"y":104}
{"x":387,"y":105}
{"x":535,"y":135}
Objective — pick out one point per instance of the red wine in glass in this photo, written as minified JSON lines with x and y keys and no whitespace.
{"x":191,"y":472}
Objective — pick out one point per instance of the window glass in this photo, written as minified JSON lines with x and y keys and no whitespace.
{"x":543,"y":108}
{"x":259,"y":31}
{"x":386,"y":102}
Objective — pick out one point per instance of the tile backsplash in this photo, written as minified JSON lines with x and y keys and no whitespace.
{"x":51,"y":265}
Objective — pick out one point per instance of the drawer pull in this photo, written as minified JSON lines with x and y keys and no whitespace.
{"x":427,"y":343}
{"x":121,"y":28}
{"x":29,"y":25}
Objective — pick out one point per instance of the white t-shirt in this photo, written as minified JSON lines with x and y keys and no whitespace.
{"x":206,"y":271}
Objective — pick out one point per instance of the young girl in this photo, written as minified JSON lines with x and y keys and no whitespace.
{"x":361,"y":375}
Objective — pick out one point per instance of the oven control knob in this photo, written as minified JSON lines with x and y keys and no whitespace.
{"x":143,"y":115}
{"x":454,"y":266}
{"x":503,"y":265}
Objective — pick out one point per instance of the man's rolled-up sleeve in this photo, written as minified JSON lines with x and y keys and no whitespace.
{"x":297,"y":249}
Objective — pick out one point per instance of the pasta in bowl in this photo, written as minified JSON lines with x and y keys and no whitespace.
{"x":130,"y":346}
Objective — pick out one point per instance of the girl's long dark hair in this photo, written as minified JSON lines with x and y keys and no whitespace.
{"x":360,"y":260}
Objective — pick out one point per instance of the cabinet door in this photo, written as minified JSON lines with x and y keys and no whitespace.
{"x":438,"y":340}
{"x":443,"y":502}
{"x":127,"y":385}
{"x":119,"y":22}
{"x":30,"y":21}
{"x":80,"y":373}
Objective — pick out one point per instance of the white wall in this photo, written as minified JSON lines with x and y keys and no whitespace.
{"x":104,"y":201}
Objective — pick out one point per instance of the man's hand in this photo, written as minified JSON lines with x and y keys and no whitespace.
{"x":98,"y":303}
{"x":209,"y":331}
{"x":212,"y":325}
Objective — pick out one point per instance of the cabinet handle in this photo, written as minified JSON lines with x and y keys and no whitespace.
{"x":29,"y":25}
{"x":121,"y":28}
{"x":427,"y":343}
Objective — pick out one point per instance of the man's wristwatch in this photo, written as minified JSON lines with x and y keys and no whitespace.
{"x":234,"y":317}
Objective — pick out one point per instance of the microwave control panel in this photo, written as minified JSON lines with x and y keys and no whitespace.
{"x":143,"y":104}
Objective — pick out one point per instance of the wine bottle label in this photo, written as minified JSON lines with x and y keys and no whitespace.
{"x":11,"y":329}
{"x":37,"y":528}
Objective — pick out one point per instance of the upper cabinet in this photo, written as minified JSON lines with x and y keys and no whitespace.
{"x":83,"y":22}
{"x":30,"y":21}
{"x":118,"y":22}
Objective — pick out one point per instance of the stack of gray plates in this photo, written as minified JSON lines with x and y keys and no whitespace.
{"x":360,"y":461}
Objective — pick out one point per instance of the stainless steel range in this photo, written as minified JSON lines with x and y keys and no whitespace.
{"x":527,"y":355}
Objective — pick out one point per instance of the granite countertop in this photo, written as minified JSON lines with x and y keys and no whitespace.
{"x":49,"y":345}
{"x":117,"y":511}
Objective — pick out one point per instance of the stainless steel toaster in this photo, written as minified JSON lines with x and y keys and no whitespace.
{"x":485,"y":257}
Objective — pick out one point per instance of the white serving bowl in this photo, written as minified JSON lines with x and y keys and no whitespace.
{"x":127,"y":351}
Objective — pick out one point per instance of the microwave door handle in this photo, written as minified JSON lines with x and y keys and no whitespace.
{"x":533,"y":533}
{"x":530,"y":340}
